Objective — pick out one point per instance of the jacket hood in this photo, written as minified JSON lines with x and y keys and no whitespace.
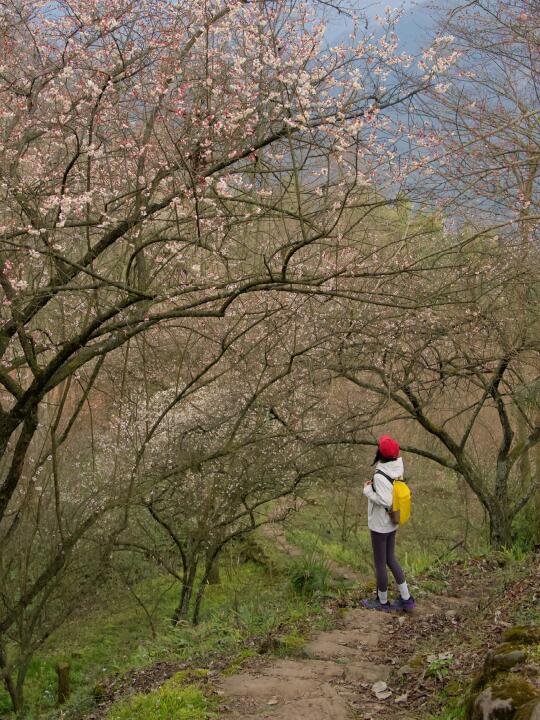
{"x":393,"y":468}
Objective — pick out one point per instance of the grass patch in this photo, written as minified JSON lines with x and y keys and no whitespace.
{"x":236,"y":665}
{"x":173,"y":701}
{"x":101,"y":640}
{"x":291,"y":645}
{"x":254,"y":600}
{"x":113,"y":637}
{"x":419,"y":543}
{"x":313,"y":539}
{"x":449,"y":713}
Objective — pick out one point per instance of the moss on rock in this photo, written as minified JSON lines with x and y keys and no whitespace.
{"x":509,"y":647}
{"x":505,"y":660}
{"x":501,"y":699}
{"x":522,"y":635}
{"x":529,"y":711}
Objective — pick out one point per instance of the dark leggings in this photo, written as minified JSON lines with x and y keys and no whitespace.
{"x":384,"y":545}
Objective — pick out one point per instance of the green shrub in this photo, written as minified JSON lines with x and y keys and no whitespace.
{"x":439,"y":667}
{"x":309,"y":575}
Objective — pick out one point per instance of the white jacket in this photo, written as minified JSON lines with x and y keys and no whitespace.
{"x":380,"y":495}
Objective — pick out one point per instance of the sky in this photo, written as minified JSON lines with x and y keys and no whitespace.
{"x":412,"y":30}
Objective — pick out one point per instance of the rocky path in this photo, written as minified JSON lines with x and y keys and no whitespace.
{"x":345,"y":674}
{"x":371,"y":666}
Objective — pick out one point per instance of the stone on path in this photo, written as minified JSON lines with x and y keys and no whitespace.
{"x":306,"y":669}
{"x":265,"y":687}
{"x":320,"y":708}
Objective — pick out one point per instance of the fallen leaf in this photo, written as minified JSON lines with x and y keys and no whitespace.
{"x":405,"y":670}
{"x":379,"y":686}
{"x":273,"y":701}
{"x":401,"y":698}
{"x":440,"y":656}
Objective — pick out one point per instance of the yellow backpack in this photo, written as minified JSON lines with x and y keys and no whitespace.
{"x":400,"y":511}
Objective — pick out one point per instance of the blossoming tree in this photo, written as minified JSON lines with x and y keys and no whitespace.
{"x":159,"y":161}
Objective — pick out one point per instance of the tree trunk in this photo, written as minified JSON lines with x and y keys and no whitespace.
{"x":500,"y":526}
{"x":344,"y":532}
{"x":525,"y":474}
{"x":198,"y":600}
{"x":13,"y":475}
{"x":182,"y":611}
{"x":211,"y":561}
{"x":9,"y":683}
{"x":213,"y":573}
{"x":16,"y":694}
{"x":11,"y":688}
{"x":22,"y":671}
{"x":500,"y":519}
{"x":537,"y":493}
{"x":62,"y":671}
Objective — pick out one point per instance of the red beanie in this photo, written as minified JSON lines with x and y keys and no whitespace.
{"x":388,"y":447}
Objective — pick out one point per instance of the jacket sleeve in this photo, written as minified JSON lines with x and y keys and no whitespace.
{"x":383,"y":495}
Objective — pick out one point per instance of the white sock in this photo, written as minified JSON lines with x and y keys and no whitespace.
{"x":404,"y":591}
{"x":383,"y":596}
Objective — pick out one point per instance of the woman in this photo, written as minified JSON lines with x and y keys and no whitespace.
{"x":379,"y":493}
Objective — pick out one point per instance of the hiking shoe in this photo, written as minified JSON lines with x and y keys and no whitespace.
{"x":404,"y":605}
{"x":376,"y":604}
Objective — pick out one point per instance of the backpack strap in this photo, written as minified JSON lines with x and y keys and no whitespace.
{"x":388,"y":478}
{"x":384,"y":475}
{"x":394,"y":515}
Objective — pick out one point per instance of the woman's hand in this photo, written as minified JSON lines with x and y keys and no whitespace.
{"x":368,"y":482}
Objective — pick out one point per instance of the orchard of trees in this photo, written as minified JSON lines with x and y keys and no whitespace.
{"x":232,"y":249}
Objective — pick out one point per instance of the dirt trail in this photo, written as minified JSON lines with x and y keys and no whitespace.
{"x":335,"y":679}
{"x":320,"y":687}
